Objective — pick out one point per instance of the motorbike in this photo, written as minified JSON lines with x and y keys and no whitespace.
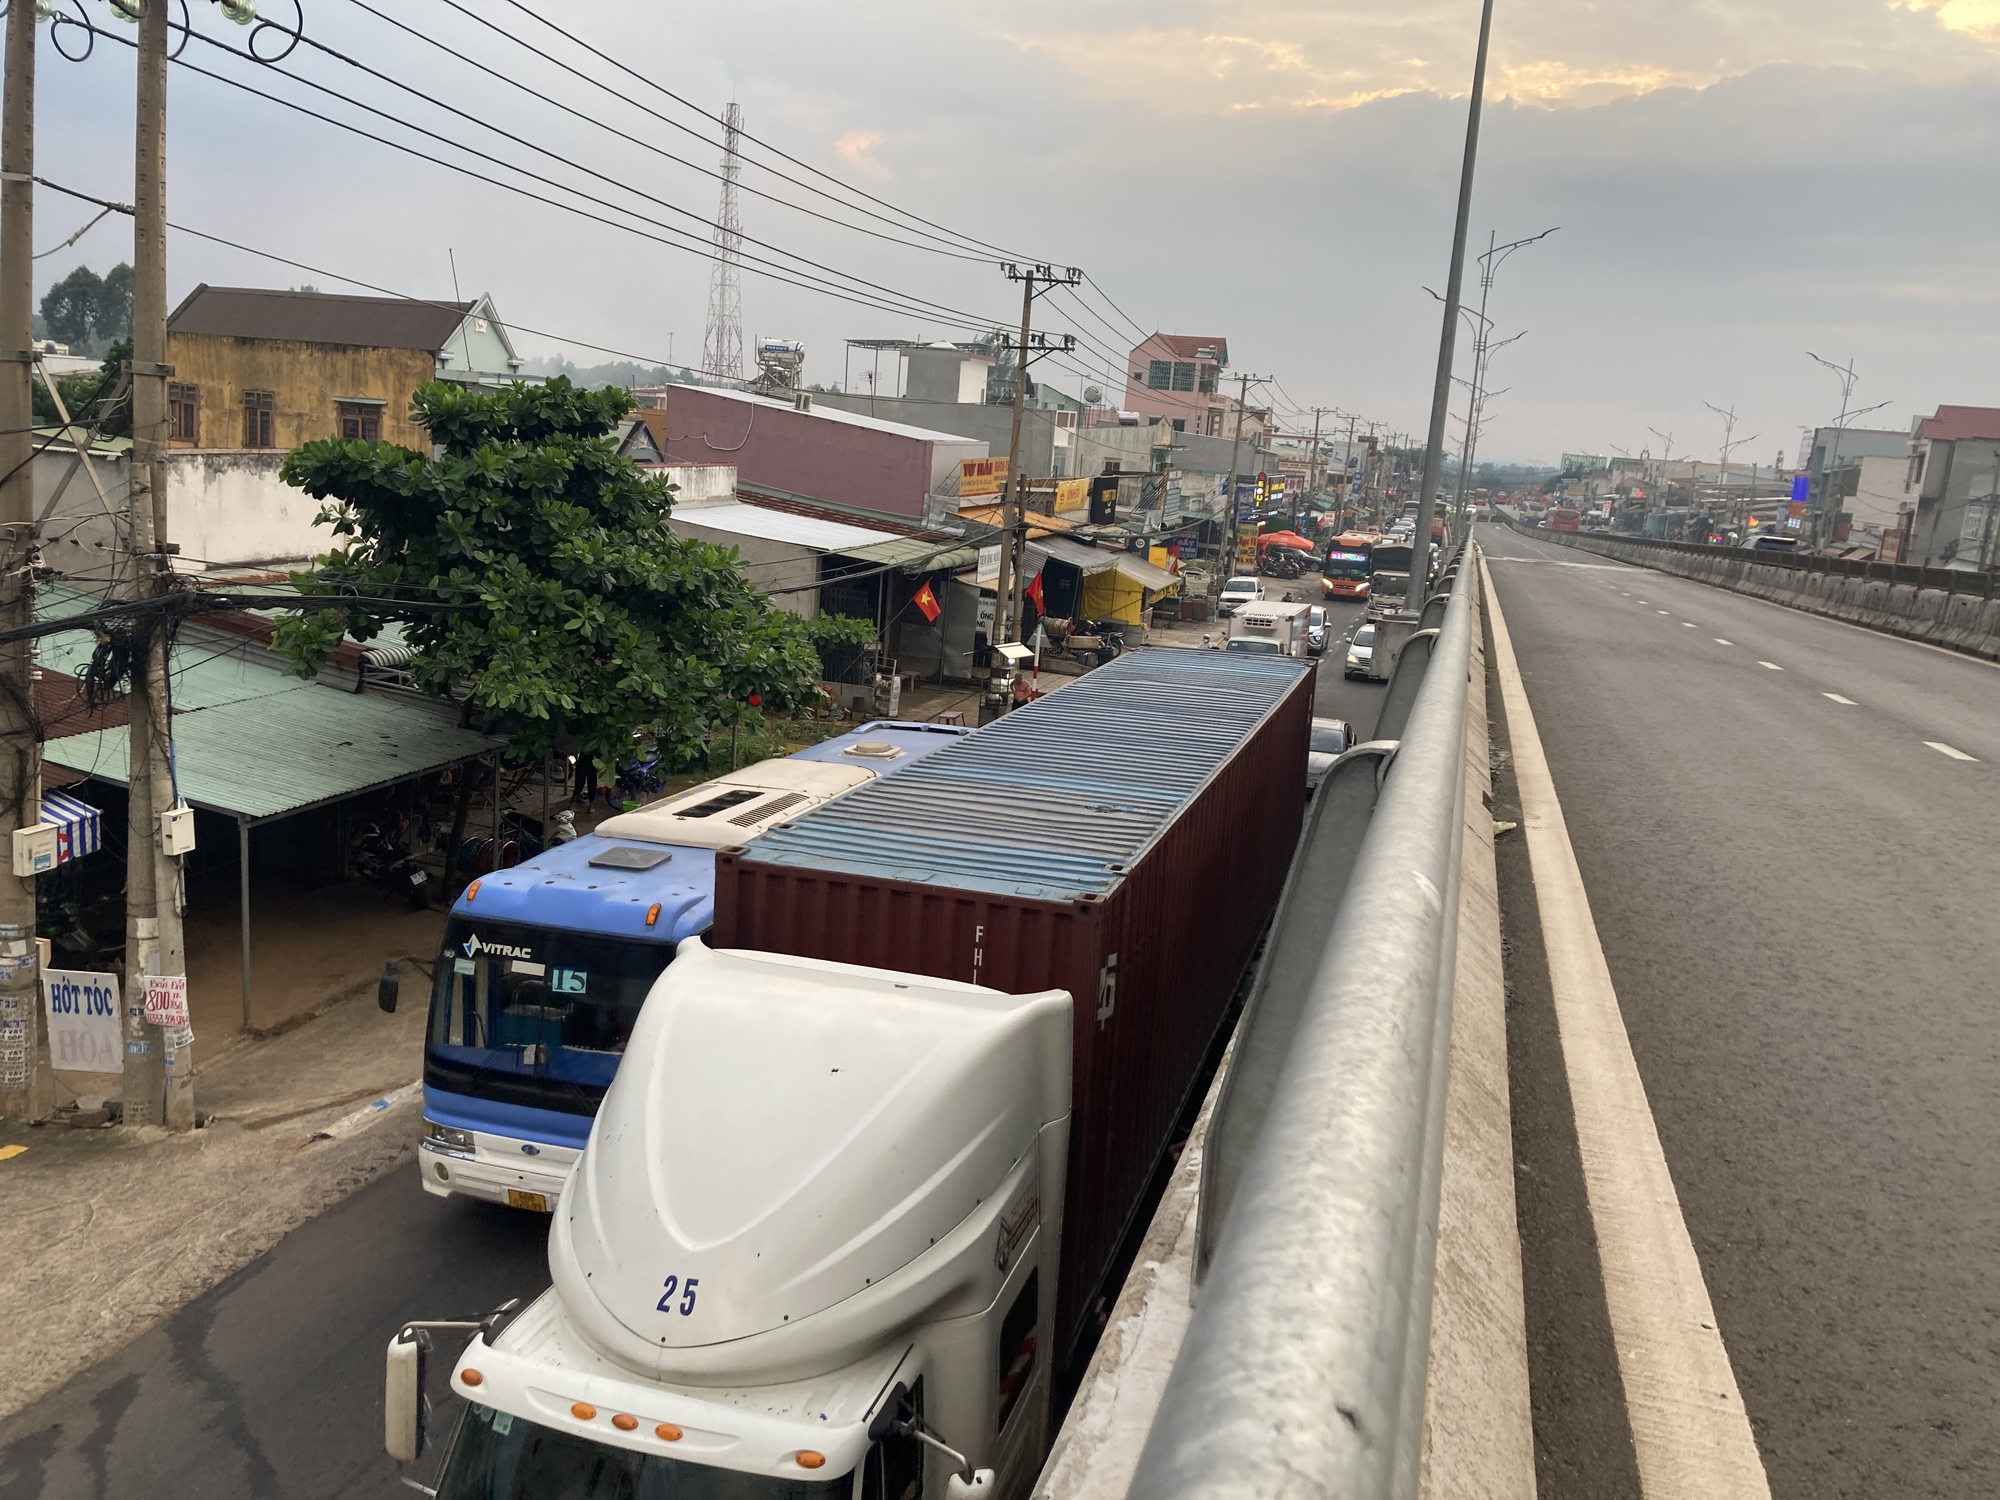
{"x":383,"y":858}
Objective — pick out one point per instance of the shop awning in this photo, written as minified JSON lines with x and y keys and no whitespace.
{"x":264,"y":758}
{"x":79,"y":826}
{"x":914,"y":555}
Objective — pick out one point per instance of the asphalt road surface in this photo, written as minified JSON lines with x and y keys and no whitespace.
{"x":1789,"y":832}
{"x":269,"y":1386}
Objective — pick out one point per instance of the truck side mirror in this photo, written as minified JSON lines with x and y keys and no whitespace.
{"x":403,"y":1396}
{"x":388,"y":986}
{"x":895,"y":1407}
{"x":958,"y":1487}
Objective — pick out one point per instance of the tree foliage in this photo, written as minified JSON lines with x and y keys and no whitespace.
{"x":84,"y":308}
{"x":80,"y":394}
{"x":589,"y":619}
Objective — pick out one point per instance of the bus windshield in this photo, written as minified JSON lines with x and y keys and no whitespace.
{"x":1343,"y":564}
{"x":499,"y":1456}
{"x":535,"y":1015}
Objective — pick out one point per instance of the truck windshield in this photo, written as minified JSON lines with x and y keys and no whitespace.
{"x":535,"y":1015}
{"x":1255,"y":647}
{"x":499,"y":1456}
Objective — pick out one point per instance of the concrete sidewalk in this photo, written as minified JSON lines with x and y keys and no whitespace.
{"x":106,"y":1232}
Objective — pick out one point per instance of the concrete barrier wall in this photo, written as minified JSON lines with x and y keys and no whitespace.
{"x":1968,"y":622}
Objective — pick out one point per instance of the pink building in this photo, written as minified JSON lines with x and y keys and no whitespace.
{"x":838,"y":458}
{"x":1178,"y":378}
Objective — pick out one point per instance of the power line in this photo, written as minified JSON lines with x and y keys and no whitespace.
{"x":542,"y":20}
{"x":936,"y":248}
{"x":877,"y":297}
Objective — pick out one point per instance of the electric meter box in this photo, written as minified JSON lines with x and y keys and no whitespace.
{"x":177,"y":831}
{"x":35,"y":849}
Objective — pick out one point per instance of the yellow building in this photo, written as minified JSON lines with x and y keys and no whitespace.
{"x":257,"y":368}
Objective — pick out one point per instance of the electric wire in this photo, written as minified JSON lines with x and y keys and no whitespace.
{"x":605,"y":125}
{"x":700,"y":247}
{"x":542,"y":20}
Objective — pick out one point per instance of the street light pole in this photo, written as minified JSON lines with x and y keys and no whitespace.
{"x":1448,"y":340}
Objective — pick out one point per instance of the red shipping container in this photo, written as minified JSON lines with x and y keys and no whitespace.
{"x":1125,"y":839}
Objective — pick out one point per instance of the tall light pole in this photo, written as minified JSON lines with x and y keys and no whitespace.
{"x":1448,"y":339}
{"x":1666,"y":457}
{"x":1847,"y":378}
{"x":1730,"y":443}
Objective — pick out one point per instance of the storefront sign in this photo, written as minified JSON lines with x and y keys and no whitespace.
{"x":981,"y":476}
{"x":83,"y":1020}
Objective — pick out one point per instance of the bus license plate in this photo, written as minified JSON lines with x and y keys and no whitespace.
{"x":536,"y":1202}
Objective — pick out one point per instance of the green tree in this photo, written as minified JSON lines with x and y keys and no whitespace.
{"x":587,"y":616}
{"x":80,"y":394}
{"x":73,"y":306}
{"x":114,"y":303}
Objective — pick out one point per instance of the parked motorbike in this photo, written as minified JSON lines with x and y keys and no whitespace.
{"x":385,"y":859}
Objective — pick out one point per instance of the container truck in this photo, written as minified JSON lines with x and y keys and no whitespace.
{"x":1389,"y":578}
{"x":860,"y":1185}
{"x":543,"y":966}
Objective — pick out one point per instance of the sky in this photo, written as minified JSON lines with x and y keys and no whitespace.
{"x":1734,"y":184}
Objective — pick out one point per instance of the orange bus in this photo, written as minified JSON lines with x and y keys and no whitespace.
{"x":1344,"y":566}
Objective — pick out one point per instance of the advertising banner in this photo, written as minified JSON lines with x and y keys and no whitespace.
{"x":166,"y":1000}
{"x":981,"y":476}
{"x":82,"y":1010}
{"x":1246,"y":549}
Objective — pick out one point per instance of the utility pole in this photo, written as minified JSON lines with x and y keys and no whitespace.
{"x":20,"y":756}
{"x":158,"y":1088}
{"x":1730,"y":444}
{"x":1008,"y":586}
{"x":1830,"y":480}
{"x":1420,"y":573}
{"x":1227,"y":547}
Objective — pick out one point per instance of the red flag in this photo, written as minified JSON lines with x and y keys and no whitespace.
{"x":1034,"y":591}
{"x":926,"y":601}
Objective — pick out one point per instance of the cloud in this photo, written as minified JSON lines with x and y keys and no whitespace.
{"x":1228,"y":56}
{"x":854,"y":148}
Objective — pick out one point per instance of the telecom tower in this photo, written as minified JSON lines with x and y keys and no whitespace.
{"x":722,"y":344}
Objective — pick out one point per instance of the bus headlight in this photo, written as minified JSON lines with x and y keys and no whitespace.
{"x":445,"y":1138}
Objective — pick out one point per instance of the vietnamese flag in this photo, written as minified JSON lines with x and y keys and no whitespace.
{"x":1034,"y":591}
{"x":926,"y":601}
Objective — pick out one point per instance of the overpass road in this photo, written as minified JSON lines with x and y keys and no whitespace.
{"x":1789,"y":835}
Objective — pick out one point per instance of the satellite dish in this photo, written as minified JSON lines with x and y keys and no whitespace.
{"x":1092,"y":395}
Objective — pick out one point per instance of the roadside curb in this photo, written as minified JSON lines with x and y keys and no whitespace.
{"x":1478,"y":1423}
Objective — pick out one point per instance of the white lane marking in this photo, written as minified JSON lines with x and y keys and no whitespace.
{"x":1645,"y":601}
{"x":1721,"y":642}
{"x":1772,"y":665}
{"x":1838,"y":699}
{"x":1956,"y":754}
{"x":1660,"y":611}
{"x":1690,"y":1433}
{"x":1688,"y":623}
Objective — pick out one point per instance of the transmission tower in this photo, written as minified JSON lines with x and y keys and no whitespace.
{"x":722,"y":344}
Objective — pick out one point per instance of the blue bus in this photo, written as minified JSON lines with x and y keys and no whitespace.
{"x":544,"y":966}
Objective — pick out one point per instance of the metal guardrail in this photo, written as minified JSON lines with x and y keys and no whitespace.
{"x":1947,"y":580}
{"x":1304,"y":1368}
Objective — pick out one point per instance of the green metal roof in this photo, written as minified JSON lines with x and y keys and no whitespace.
{"x":264,"y":757}
{"x":915,"y":555}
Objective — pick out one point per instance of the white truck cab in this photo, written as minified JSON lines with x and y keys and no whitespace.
{"x":812,"y":1241}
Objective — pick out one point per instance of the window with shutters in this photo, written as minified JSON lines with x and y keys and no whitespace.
{"x":1160,"y":374}
{"x":1183,"y":376}
{"x":259,"y":413}
{"x":183,"y":412}
{"x":359,"y":420}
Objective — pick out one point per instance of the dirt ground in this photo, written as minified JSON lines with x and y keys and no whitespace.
{"x":105,"y":1232}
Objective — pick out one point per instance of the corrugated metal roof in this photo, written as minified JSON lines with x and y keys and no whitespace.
{"x":318,"y":318}
{"x":267,"y":756}
{"x":738,"y":519}
{"x":915,"y":555}
{"x":1058,"y":799}
{"x":1079,"y":555}
{"x":828,"y":414}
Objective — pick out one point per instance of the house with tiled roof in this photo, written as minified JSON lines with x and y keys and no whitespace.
{"x":1954,"y":478}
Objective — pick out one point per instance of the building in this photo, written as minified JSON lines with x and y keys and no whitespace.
{"x":1834,"y":458}
{"x":806,"y":450}
{"x":258,"y":369}
{"x":1954,"y":480}
{"x":963,"y":389}
{"x":1178,"y":378}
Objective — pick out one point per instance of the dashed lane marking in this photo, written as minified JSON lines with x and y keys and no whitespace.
{"x":1690,"y":1433}
{"x":1661,"y":611}
{"x":1838,"y":699}
{"x":1688,"y":623}
{"x":1772,"y":665}
{"x":1953,"y":751}
{"x":1721,"y":642}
